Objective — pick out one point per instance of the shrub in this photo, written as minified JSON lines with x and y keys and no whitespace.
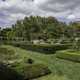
{"x":68,"y":55}
{"x":6,"y":73}
{"x":35,"y":71}
{"x":30,"y":61}
{"x":43,"y":48}
{"x":7,"y":54}
{"x":6,"y":51}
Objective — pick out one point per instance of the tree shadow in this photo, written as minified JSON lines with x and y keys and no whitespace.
{"x":7,"y":73}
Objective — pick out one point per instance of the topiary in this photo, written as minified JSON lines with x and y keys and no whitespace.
{"x":35,"y":71}
{"x":30,"y":61}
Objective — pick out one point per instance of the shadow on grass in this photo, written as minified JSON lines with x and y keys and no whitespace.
{"x":7,"y":73}
{"x":36,"y":49}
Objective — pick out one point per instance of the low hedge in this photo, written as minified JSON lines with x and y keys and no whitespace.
{"x":35,"y":70}
{"x":68,"y":55}
{"x":42,"y":47}
{"x":6,"y":73}
{"x":6,"y":51}
{"x":7,"y":55}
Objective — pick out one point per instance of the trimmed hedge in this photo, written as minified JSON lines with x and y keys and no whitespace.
{"x":35,"y":71}
{"x":6,"y":54}
{"x":6,"y":51}
{"x":6,"y":73}
{"x":68,"y":55}
{"x":43,"y":48}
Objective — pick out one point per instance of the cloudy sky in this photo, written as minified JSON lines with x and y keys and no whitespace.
{"x":12,"y":10}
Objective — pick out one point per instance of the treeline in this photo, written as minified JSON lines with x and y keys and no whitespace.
{"x":36,"y":28}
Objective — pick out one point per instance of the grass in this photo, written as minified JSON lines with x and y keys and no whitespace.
{"x":69,"y":55}
{"x":61,"y":69}
{"x":54,"y":77}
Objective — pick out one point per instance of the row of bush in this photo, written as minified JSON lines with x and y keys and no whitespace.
{"x":6,"y":51}
{"x":18,"y":71}
{"x":7,"y":73}
{"x":35,"y":70}
{"x":43,"y":48}
{"x":7,"y":54}
{"x":32,"y":71}
{"x":68,"y":55}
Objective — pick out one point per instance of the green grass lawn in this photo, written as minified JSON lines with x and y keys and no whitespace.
{"x":61,"y":69}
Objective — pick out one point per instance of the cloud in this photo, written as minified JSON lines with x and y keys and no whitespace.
{"x":12,"y":10}
{"x":71,"y":17}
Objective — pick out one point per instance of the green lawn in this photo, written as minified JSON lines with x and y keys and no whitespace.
{"x":61,"y":69}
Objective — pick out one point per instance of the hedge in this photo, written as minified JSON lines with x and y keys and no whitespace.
{"x":6,"y":73}
{"x":42,"y":48}
{"x":68,"y":55}
{"x":6,"y":54}
{"x":6,"y":51}
{"x":35,"y":71}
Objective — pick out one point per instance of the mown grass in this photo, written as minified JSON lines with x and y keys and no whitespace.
{"x":61,"y":69}
{"x":69,"y":55}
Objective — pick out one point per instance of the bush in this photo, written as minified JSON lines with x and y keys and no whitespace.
{"x":30,"y":61}
{"x":35,"y":71}
{"x":6,"y":51}
{"x":43,"y":48}
{"x":7,"y":55}
{"x":68,"y":55}
{"x":6,"y":73}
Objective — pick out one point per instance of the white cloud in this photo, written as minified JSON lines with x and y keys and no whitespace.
{"x":71,"y":17}
{"x":11,"y":10}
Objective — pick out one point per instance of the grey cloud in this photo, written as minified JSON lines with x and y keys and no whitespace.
{"x":11,"y":10}
{"x":60,"y":5}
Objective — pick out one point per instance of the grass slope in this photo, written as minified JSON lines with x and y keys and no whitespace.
{"x":61,"y":69}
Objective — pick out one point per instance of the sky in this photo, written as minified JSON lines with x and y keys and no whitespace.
{"x":12,"y":10}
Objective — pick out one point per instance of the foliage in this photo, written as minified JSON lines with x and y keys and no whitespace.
{"x":30,"y":61}
{"x":6,"y":73}
{"x":17,"y":63}
{"x":6,"y":54}
{"x":46,"y":48}
{"x":35,"y":71}
{"x":44,"y":27}
{"x":41,"y":28}
{"x":61,"y":69}
{"x":69,"y":55}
